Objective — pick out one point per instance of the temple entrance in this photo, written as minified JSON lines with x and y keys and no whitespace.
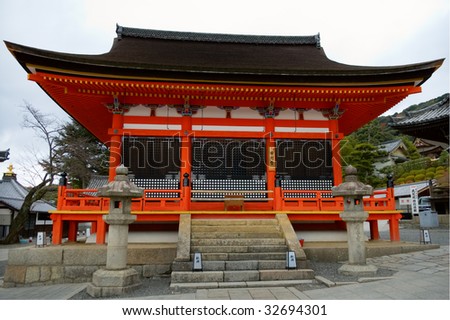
{"x":154,"y":164}
{"x":232,"y":171}
{"x":308,"y":161}
{"x":305,"y":170}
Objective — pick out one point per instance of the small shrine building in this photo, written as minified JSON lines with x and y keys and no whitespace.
{"x":220,"y":125}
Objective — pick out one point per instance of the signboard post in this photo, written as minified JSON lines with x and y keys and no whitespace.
{"x":414,"y":200}
{"x":428,"y":220}
{"x":40,"y":239}
{"x":198,"y":266}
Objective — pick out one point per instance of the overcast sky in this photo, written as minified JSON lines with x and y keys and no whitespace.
{"x":357,"y":32}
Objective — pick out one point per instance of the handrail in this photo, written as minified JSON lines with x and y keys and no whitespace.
{"x":87,"y":199}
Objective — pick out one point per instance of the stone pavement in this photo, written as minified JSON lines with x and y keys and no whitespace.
{"x":422,"y":275}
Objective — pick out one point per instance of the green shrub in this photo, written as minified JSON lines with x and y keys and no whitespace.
{"x":400,"y":181}
{"x":432,"y":169}
{"x":429,"y":175}
{"x":409,"y":178}
{"x":419,"y":177}
{"x":439,"y":174}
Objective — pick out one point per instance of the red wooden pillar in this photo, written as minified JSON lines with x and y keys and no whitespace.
{"x":115,"y":149}
{"x":391,"y":198}
{"x":186,"y":155}
{"x":374,"y":231}
{"x":57,"y":229}
{"x":93,"y":226}
{"x":394,"y":229}
{"x":101,"y":230}
{"x":271,"y":164}
{"x":61,"y":196}
{"x":336,"y":138}
{"x":73,"y":228}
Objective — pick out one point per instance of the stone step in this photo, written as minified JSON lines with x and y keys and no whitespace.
{"x":243,"y":256}
{"x":235,"y":235}
{"x":241,"y":284}
{"x":233,"y":228}
{"x":239,"y":249}
{"x":241,"y":275}
{"x":235,"y":222}
{"x":238,"y":242}
{"x":231,"y":265}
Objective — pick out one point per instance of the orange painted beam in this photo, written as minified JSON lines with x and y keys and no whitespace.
{"x":85,"y":98}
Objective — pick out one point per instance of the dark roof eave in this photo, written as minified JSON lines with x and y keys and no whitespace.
{"x":434,"y":122}
{"x":96,"y":66}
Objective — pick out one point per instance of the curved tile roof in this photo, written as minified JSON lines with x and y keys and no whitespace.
{"x":12,"y":193}
{"x":205,"y":57}
{"x":439,"y":110}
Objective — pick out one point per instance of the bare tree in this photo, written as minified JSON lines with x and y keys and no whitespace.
{"x":46,"y":128}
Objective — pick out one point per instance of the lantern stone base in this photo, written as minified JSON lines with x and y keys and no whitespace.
{"x":358,"y":270}
{"x":108,"y":283}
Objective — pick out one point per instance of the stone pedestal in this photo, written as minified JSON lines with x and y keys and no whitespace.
{"x":117,"y":279}
{"x":354,"y":216}
{"x":107,"y":283}
{"x":116,"y":254}
{"x":356,"y":245}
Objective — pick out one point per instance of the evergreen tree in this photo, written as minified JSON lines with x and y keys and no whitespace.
{"x":413,"y":154}
{"x":362,"y":157}
{"x":375,"y":132}
{"x":80,"y":154}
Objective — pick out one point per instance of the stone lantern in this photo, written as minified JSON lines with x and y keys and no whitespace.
{"x":353,"y":191}
{"x":116,"y":278}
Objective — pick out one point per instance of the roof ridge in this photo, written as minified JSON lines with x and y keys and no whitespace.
{"x":217,"y":37}
{"x":438,"y":104}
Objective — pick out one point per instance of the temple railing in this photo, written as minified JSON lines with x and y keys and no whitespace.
{"x":176,"y":200}
{"x":323,"y":200}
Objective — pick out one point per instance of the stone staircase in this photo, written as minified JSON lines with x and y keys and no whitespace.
{"x":237,"y":251}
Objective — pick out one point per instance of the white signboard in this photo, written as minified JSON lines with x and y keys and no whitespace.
{"x":40,"y":239}
{"x":426,"y":236}
{"x":405,"y":201}
{"x":414,"y":200}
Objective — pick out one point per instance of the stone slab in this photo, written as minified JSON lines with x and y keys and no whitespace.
{"x":201,"y":276}
{"x":157,"y":254}
{"x":325,"y":281}
{"x":184,"y":237}
{"x":115,"y":278}
{"x":241,"y":265}
{"x":296,"y":274}
{"x":14,"y":275}
{"x":358,"y":270}
{"x":236,"y":276}
{"x":45,"y":256}
{"x":86,"y":255}
{"x":152,"y":270}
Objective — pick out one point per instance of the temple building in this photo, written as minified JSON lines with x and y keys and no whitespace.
{"x":220,"y":125}
{"x":430,"y":123}
{"x":12,"y":196}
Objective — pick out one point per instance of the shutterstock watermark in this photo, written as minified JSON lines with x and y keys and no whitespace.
{"x":212,"y":153}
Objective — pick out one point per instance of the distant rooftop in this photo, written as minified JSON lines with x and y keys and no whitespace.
{"x":430,"y":123}
{"x":390,"y":146}
{"x":12,"y":193}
